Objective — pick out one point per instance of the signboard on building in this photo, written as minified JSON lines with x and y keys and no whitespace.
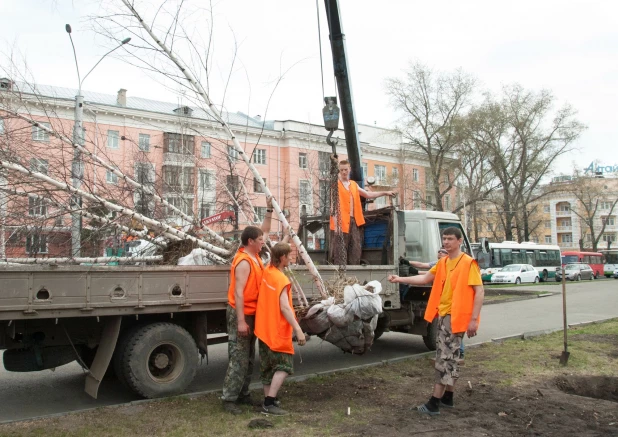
{"x":218,"y":217}
{"x":601,"y":168}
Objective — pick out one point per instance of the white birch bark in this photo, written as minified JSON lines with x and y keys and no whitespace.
{"x":317,"y":279}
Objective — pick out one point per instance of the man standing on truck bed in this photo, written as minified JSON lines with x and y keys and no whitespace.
{"x":275,"y":322}
{"x":351,"y":218}
{"x":245,"y":280}
{"x":456,"y":299}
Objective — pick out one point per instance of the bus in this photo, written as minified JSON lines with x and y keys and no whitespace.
{"x":610,"y":258}
{"x":593,"y":259}
{"x":544,"y":257}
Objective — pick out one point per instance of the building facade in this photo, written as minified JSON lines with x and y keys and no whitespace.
{"x":181,"y":153}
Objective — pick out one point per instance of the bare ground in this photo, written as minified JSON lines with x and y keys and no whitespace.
{"x":508,"y":389}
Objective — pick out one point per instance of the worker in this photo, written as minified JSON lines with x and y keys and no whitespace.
{"x":245,"y":279}
{"x":275,"y":322}
{"x":351,"y":218}
{"x":456,"y":299}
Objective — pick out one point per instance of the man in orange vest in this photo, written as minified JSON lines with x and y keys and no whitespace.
{"x":245,"y":280}
{"x":275,"y":322}
{"x":351,"y":218}
{"x":456,"y":299}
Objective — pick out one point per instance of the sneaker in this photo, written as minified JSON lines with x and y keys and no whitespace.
{"x":232,"y":408}
{"x":428,"y":409}
{"x":447,"y":404}
{"x":273,"y":410}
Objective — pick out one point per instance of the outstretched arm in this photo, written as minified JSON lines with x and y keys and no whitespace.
{"x":374,"y":194}
{"x":411,"y":280}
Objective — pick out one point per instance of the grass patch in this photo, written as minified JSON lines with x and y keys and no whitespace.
{"x":500,"y":394}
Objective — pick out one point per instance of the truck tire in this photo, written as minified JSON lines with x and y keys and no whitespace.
{"x":118,"y":357}
{"x":24,"y":360}
{"x":159,"y":360}
{"x":431,"y":339}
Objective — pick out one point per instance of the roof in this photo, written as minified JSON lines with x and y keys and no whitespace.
{"x":139,"y":103}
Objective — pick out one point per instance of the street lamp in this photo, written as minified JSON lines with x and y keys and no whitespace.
{"x":77,"y":166}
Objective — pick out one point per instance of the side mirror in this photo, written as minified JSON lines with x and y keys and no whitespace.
{"x":484,"y":245}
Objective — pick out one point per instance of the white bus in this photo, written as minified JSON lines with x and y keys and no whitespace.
{"x":610,"y":259}
{"x":544,"y":257}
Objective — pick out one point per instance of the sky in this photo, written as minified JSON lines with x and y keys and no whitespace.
{"x":266,"y":54}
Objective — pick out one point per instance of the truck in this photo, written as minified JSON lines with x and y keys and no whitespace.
{"x":148,"y":325}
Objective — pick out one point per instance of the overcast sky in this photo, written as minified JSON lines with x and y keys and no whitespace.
{"x":570,"y":47}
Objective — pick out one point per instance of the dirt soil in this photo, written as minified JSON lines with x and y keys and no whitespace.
{"x":507,"y":389}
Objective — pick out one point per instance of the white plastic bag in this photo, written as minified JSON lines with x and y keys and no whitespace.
{"x":339,"y":315}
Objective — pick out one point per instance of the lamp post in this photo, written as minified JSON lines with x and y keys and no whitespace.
{"x":77,"y":166}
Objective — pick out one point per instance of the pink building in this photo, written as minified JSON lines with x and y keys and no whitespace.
{"x":181,"y":153}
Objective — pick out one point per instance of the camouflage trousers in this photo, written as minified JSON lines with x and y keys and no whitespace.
{"x":352,"y":242}
{"x":241,"y":351}
{"x":447,"y":352}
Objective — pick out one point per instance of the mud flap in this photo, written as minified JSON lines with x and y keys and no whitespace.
{"x":109,"y":337}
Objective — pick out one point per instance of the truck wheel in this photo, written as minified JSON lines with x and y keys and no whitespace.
{"x":118,"y":357}
{"x":431,"y":339}
{"x":159,"y":360}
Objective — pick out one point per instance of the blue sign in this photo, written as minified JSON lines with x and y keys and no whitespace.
{"x":601,"y":168}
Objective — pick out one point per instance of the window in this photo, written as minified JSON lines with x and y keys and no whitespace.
{"x":365,"y":169}
{"x":564,"y":208}
{"x":205,"y":152}
{"x":324,"y":164}
{"x":233,"y":183}
{"x":567,"y":238}
{"x":416,"y":200}
{"x":259,"y":156}
{"x":324,"y":197}
{"x":259,"y":213}
{"x":39,"y":165}
{"x":447,"y":202}
{"x":534,"y":239}
{"x":184,"y":205}
{"x":206,"y":210}
{"x":415,"y":177}
{"x":257,"y":188}
{"x":36,"y":206}
{"x":380,"y":173}
{"x":144,"y":142}
{"x":380,"y":202}
{"x":205,"y":181}
{"x":1,"y":126}
{"x":395,"y":176}
{"x":144,"y":173}
{"x":446,"y":179}
{"x":548,"y":224}
{"x":179,"y":178}
{"x":546,"y":208}
{"x":304,"y":192}
{"x":429,"y":202}
{"x":39,"y":134}
{"x":302,"y":160}
{"x":608,"y":221}
{"x":490,"y":226}
{"x":232,"y":153}
{"x":606,"y":205}
{"x":113,"y":139}
{"x":36,"y":244}
{"x":111,"y":178}
{"x":609,"y":237}
{"x":178,"y":143}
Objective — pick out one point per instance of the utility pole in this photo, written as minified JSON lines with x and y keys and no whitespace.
{"x":77,"y":165}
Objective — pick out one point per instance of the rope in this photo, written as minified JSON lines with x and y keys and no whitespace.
{"x":317,"y":8}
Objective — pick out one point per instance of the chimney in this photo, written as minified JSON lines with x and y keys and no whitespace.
{"x":121,"y":100}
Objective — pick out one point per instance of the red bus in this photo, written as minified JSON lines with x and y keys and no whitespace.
{"x":593,"y":259}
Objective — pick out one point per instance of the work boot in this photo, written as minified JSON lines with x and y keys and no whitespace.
{"x":244,"y":400}
{"x":232,"y":408}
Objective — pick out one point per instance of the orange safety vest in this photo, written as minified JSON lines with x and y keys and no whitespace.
{"x":252,"y":286}
{"x":463,"y":294}
{"x":270,"y":325}
{"x":344,"y":207}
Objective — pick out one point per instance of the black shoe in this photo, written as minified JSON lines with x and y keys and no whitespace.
{"x":232,"y":408}
{"x":447,"y":403}
{"x":244,"y":400}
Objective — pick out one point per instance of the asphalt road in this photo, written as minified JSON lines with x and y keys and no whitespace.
{"x":35,"y":394}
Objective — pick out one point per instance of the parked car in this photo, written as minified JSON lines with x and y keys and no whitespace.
{"x":575,"y":272}
{"x":516,"y":274}
{"x":615,"y":274}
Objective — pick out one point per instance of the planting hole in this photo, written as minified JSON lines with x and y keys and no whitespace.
{"x":596,"y":387}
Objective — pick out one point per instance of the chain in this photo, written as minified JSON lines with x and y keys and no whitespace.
{"x":334,"y":193}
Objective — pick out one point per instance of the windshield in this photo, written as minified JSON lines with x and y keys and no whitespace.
{"x":512,"y":268}
{"x":572,"y":267}
{"x":569,"y":259}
